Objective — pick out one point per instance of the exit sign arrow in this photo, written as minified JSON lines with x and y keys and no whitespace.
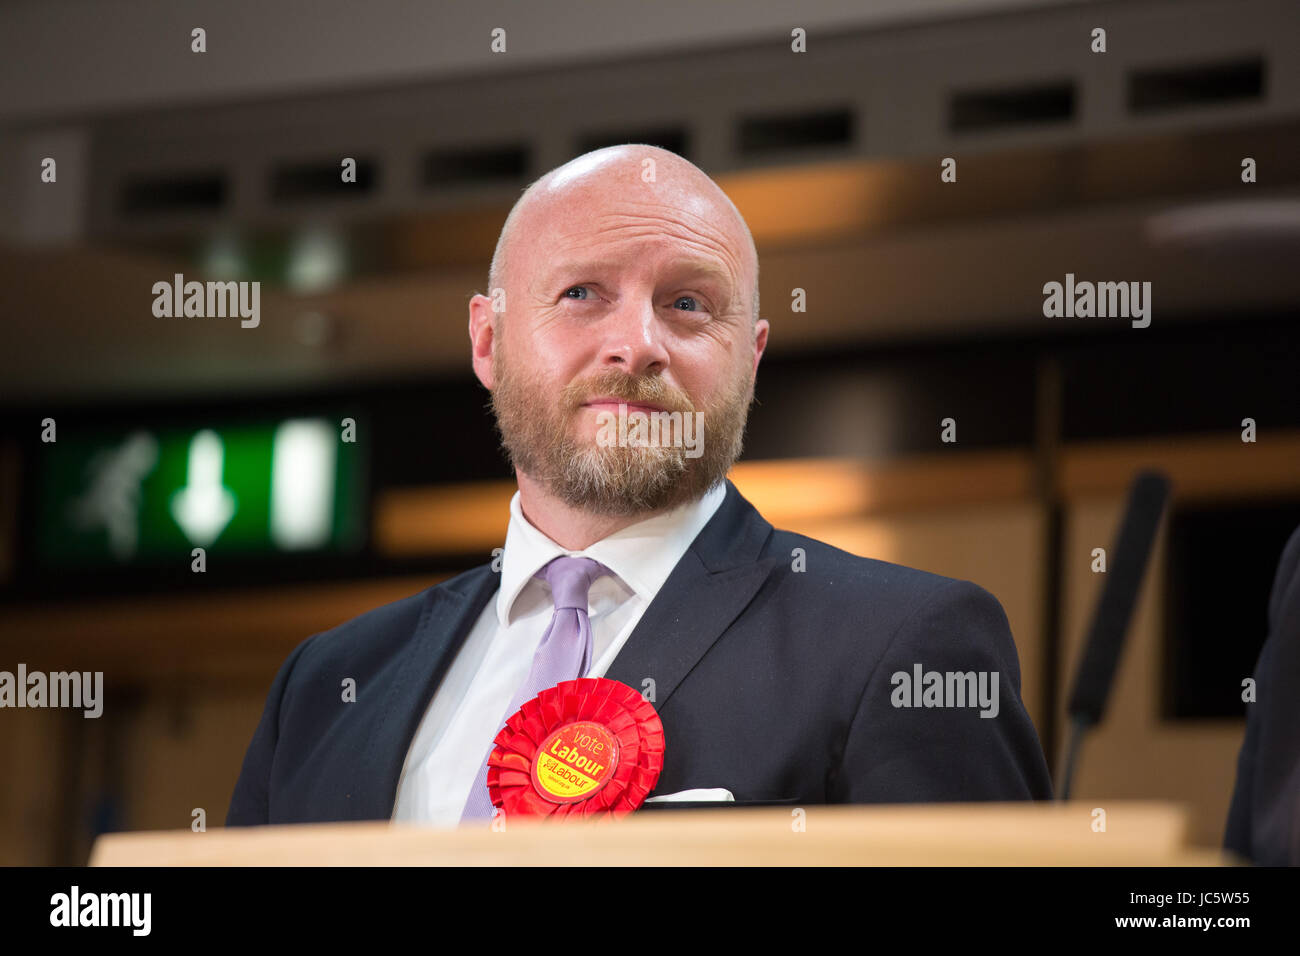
{"x":204,"y":507}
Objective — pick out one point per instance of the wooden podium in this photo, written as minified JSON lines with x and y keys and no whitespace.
{"x":1006,"y":834}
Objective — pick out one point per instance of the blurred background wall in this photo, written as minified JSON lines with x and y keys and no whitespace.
{"x":924,"y":302}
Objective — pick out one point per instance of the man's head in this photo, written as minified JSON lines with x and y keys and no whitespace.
{"x":625,"y":275}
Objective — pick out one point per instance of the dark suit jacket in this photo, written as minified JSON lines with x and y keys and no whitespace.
{"x":1264,"y":818}
{"x":772,"y":683}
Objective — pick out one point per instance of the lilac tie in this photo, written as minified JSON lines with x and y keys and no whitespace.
{"x":564,"y":654}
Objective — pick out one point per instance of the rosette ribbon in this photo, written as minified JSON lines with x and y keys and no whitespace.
{"x":584,"y":748}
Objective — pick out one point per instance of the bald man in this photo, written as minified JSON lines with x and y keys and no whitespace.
{"x":624,"y":292}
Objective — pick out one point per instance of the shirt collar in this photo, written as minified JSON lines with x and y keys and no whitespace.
{"x":642,"y":555}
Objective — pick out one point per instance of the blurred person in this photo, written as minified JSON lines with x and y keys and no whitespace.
{"x":1264,"y":817}
{"x":784,"y":670}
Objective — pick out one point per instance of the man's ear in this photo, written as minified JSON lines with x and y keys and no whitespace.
{"x":760,"y":341}
{"x":482,"y":331}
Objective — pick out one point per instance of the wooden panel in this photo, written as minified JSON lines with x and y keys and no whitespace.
{"x":464,"y":518}
{"x":453,"y":519}
{"x":212,"y":636}
{"x":1199,"y":468}
{"x":184,"y":751}
{"x":788,"y":491}
{"x":30,"y":799}
{"x":962,"y":834}
{"x":1134,"y":754}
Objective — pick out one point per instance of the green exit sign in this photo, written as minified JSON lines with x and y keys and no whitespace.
{"x":144,"y":495}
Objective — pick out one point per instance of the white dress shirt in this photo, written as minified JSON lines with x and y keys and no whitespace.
{"x":455,"y":734}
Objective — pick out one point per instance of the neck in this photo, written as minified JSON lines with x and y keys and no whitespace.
{"x":569,"y":527}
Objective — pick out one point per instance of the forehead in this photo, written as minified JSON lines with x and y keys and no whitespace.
{"x":668,"y":239}
{"x":671,"y":264}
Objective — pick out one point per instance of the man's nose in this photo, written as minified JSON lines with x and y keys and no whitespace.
{"x":634,"y":340}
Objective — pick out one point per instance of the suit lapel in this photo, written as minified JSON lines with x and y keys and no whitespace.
{"x":713,"y":582}
{"x":445,"y":621}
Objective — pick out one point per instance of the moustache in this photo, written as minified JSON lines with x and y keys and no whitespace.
{"x":626,"y":388}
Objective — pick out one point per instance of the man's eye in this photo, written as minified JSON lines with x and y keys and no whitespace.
{"x":576,"y":288}
{"x":686,"y":298}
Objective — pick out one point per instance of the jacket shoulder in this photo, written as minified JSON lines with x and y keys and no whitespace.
{"x":1286,"y":578}
{"x":382,"y":629}
{"x":871,"y":577}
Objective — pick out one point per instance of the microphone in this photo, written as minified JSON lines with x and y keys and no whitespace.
{"x":1130,"y":555}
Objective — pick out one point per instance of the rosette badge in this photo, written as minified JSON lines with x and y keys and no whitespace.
{"x":587,"y":748}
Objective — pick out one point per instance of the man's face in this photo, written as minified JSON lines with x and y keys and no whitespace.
{"x":642,"y":304}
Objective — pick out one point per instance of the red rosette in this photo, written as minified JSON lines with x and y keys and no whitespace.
{"x":584,"y":748}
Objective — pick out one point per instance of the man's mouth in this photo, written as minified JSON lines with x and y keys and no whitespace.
{"x":608,"y":404}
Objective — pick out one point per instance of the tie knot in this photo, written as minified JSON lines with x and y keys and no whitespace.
{"x":570,"y":579}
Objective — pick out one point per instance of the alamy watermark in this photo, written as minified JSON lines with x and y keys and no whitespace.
{"x":657,"y":429}
{"x":75,"y":908}
{"x":178,"y":298}
{"x":1084,"y":300}
{"x":57,"y":689}
{"x":923,"y":688}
